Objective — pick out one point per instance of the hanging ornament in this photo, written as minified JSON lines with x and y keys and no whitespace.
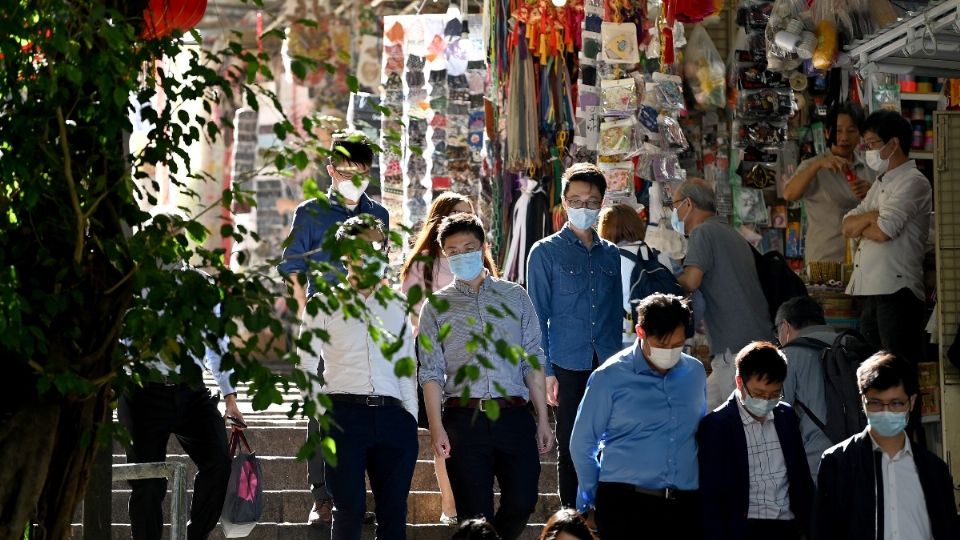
{"x":162,"y":17}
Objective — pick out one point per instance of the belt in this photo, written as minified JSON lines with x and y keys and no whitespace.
{"x":369,"y":401}
{"x":670,"y":494}
{"x":481,"y":403}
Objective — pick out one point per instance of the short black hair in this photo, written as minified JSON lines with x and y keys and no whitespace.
{"x":890,"y":124}
{"x":763,"y":360}
{"x":567,"y":520}
{"x":800,"y":312}
{"x":461,"y":222}
{"x":660,"y":314}
{"x":475,"y":529}
{"x":358,"y":225}
{"x":584,"y":172}
{"x":885,"y":370}
{"x":849,"y":108}
{"x":351,"y":147}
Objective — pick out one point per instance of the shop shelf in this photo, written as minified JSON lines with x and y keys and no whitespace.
{"x":920,"y":97}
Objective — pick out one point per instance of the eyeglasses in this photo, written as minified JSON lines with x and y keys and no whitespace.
{"x":768,"y":397}
{"x":577,"y":204}
{"x":874,"y":144}
{"x":350,"y":172}
{"x":896,"y":405}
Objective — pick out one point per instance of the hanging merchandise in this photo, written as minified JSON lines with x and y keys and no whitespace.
{"x":619,"y":43}
{"x":705,"y":71}
{"x":523,"y":146}
{"x":827,"y":48}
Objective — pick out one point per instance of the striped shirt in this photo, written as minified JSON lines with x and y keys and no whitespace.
{"x":507,"y":309}
{"x":769,"y":487}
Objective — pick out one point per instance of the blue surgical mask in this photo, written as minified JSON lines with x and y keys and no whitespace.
{"x":466,"y":266}
{"x":582,"y":218}
{"x":676,"y":222}
{"x":758,"y":407}
{"x":886,"y":423}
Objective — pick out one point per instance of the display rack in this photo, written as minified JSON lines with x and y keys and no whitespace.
{"x":924,"y":43}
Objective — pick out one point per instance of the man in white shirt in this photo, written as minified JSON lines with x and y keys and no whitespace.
{"x":374,"y":413}
{"x":876,"y":484}
{"x":892,"y":223}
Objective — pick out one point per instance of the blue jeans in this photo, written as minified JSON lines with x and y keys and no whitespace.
{"x":381,"y":442}
{"x":481,"y":450}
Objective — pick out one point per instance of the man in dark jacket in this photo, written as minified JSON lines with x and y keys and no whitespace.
{"x":754,"y":478}
{"x":914,"y":495}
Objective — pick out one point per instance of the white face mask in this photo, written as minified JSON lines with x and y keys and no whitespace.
{"x":875,"y":162}
{"x":351,"y":192}
{"x":664,"y":358}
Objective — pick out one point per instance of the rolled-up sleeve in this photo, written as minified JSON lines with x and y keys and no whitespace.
{"x":592,"y":419}
{"x":432,"y":364}
{"x":408,"y":385}
{"x":530,"y":327}
{"x":910,"y":199}
{"x":212,"y":359}
{"x":310,"y":360}
{"x":539,"y":289}
{"x":293,"y":260}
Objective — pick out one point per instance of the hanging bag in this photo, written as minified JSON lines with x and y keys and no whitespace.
{"x":243,"y":505}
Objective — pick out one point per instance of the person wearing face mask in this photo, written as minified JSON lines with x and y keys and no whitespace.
{"x":755,"y":483}
{"x":374,"y":413}
{"x":633,"y":442}
{"x":892,"y":224}
{"x":831,"y":184}
{"x":720,"y":264}
{"x":313,"y":222}
{"x":876,"y":484}
{"x":476,"y":448}
{"x":573,"y":277}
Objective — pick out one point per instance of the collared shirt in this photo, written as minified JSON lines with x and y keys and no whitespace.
{"x":769,"y":488}
{"x":353,"y":362}
{"x":577,"y":294}
{"x":508,"y":311}
{"x":827,"y":199}
{"x":312,"y":222}
{"x":904,"y":506}
{"x":904,"y":199}
{"x":642,"y":424}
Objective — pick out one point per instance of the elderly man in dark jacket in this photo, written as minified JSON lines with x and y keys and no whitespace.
{"x":876,"y":484}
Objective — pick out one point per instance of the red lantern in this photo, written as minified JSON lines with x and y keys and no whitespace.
{"x":162,"y":17}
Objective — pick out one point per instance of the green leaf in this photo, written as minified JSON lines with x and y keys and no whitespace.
{"x":405,"y":367}
{"x":299,"y":70}
{"x":197,"y":231}
{"x":492,"y":410}
{"x":444,"y":332}
{"x":300,"y":160}
{"x":353,"y":84}
{"x":329,"y":448}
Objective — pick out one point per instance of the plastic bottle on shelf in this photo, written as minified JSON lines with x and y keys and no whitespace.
{"x":928,"y":142}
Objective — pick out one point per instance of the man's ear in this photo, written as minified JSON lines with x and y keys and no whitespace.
{"x":640,"y":333}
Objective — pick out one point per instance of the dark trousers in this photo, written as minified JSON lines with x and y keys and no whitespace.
{"x":151,"y":414}
{"x":624,"y":514}
{"x":481,"y":450}
{"x":895,"y":322}
{"x":382,"y":443}
{"x":573,"y":384}
{"x":766,"y":529}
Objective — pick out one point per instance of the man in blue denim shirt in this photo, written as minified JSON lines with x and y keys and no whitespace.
{"x":573,"y":278}
{"x":312,"y":222}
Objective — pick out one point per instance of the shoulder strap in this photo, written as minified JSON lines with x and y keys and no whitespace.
{"x":806,"y":410}
{"x":807,"y":342}
{"x":626,"y":253}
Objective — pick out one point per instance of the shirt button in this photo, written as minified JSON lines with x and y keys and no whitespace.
{"x":593,"y":306}
{"x":593,"y":290}
{"x":593,"y":323}
{"x":591,"y":271}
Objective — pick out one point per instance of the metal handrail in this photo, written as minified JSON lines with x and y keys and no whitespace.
{"x":177,"y":472}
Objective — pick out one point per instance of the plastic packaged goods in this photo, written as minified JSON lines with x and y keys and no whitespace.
{"x":705,"y":70}
{"x":827,"y":46}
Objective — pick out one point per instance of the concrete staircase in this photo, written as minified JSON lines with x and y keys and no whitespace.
{"x":275,"y":439}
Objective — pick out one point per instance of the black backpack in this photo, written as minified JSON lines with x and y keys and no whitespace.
{"x":839,"y":361}
{"x":778,"y":281}
{"x":649,"y":276}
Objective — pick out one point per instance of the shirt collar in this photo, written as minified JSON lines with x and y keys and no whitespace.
{"x":896,"y":172}
{"x":745,"y":416}
{"x":567,"y":234}
{"x":907,"y":449}
{"x":464,"y":287}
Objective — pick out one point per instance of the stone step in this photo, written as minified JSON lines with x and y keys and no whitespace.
{"x":293,"y":506}
{"x":283,"y":473}
{"x":279,"y":439}
{"x":296,"y":531}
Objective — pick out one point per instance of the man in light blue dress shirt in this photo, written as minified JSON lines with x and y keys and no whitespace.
{"x":633,"y":443}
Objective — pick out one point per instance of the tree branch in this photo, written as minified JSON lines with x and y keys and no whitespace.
{"x":72,"y":186}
